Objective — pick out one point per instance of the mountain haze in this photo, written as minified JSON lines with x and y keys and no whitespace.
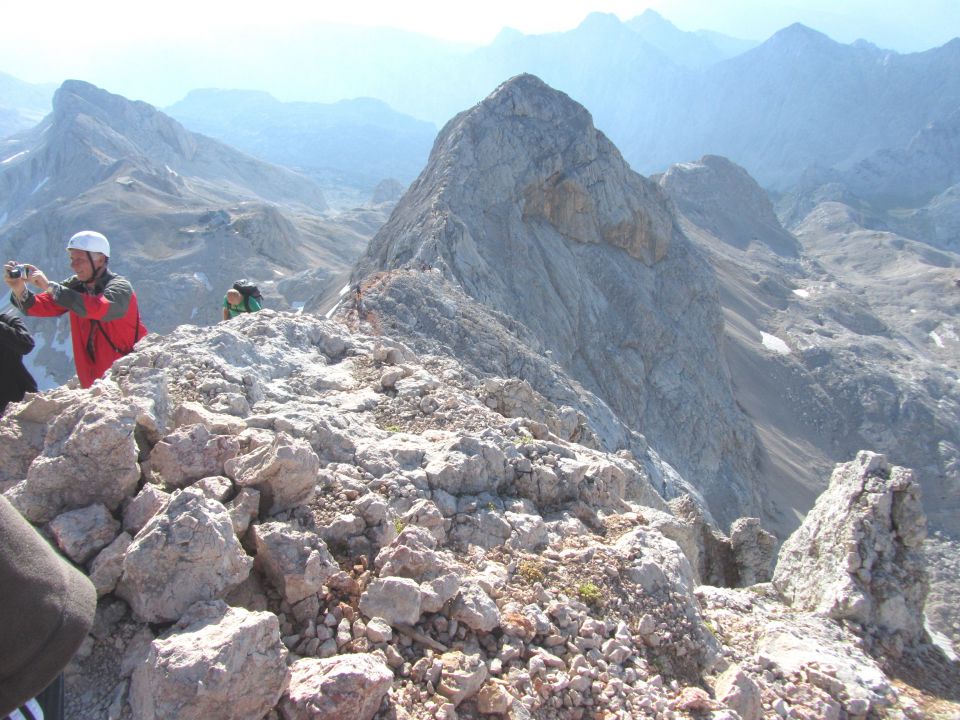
{"x":352,"y":143}
{"x":22,"y":105}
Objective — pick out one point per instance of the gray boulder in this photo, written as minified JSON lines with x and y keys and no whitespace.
{"x":347,"y":686}
{"x":82,"y":533}
{"x":858,"y":554}
{"x":190,"y":453}
{"x":186,"y":553}
{"x":296,"y":562}
{"x":284,"y":472}
{"x":216,"y":663}
{"x":89,"y":456}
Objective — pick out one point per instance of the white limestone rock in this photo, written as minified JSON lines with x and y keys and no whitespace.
{"x":82,"y":533}
{"x":296,"y":562}
{"x":346,"y":686}
{"x":89,"y":456}
{"x":190,"y":453}
{"x":216,"y":663}
{"x":858,"y":554}
{"x":284,"y":472}
{"x":186,"y":553}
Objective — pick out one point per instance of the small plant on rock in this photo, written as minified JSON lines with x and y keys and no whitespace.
{"x":531,"y":571}
{"x":589,"y":593}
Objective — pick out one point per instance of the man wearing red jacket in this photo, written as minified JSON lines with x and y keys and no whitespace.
{"x":104,"y":316}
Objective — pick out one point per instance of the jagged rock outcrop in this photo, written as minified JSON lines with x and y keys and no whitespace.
{"x":600,"y":281}
{"x":185,"y":553}
{"x":858,"y":554}
{"x":214,"y":662}
{"x":435,"y":598}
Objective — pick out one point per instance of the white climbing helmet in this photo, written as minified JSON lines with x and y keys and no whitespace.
{"x":89,"y":241}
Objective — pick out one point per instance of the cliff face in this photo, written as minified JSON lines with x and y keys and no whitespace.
{"x":534,"y":215}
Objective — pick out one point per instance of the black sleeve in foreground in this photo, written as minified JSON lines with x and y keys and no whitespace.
{"x":14,"y":334}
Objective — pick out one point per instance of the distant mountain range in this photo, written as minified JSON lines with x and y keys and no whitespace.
{"x":355,"y":143}
{"x":795,"y":102}
{"x":22,"y":105}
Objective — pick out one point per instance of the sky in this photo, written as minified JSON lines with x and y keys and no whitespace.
{"x":48,"y":41}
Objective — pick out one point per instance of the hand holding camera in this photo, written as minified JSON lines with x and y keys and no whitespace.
{"x":17,"y":275}
{"x":17,"y":271}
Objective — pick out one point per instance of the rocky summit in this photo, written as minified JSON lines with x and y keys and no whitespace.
{"x":291,"y":519}
{"x":531,"y":213}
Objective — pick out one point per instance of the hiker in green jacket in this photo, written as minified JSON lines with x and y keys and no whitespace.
{"x":235,"y":303}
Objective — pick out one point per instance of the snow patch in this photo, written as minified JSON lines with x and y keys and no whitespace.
{"x":171,"y":171}
{"x":13,"y":157}
{"x":345,"y":289}
{"x":801,"y":292}
{"x":298,"y":307}
{"x":40,"y":184}
{"x":774,"y":344}
{"x":193,"y":313}
{"x":938,"y":341}
{"x":202,"y":277}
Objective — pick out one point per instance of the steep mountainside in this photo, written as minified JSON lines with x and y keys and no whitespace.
{"x":186,"y":215}
{"x":850,"y":340}
{"x":352,"y":143}
{"x":22,"y":105}
{"x":533,"y":213}
{"x":847,"y":341}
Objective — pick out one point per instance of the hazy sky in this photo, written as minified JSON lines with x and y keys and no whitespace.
{"x":48,"y":40}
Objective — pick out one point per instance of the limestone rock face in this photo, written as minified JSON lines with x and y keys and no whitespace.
{"x":89,"y":456}
{"x":298,"y":563}
{"x":348,"y":686}
{"x":577,"y":263}
{"x":284,"y":472}
{"x":722,"y":198}
{"x":858,"y":554}
{"x":191,"y":453}
{"x":186,"y":553}
{"x":216,"y":663}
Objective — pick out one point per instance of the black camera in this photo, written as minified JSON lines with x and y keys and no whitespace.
{"x":20,"y":271}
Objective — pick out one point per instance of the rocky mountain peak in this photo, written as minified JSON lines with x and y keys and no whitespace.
{"x":305,"y":517}
{"x":530,"y":141}
{"x":720,"y":196}
{"x":533,"y":213}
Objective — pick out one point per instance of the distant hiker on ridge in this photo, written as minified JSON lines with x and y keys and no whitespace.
{"x":15,"y":342}
{"x":243,"y":297}
{"x":104,"y":315}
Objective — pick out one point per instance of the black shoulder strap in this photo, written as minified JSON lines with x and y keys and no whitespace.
{"x":97,"y":325}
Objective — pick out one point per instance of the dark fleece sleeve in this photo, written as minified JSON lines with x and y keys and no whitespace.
{"x":112,"y":304}
{"x":14,"y":334}
{"x":46,"y":610}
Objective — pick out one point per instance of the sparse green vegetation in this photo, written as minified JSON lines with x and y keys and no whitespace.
{"x":522,"y":439}
{"x":398,"y":525}
{"x":393,"y":428}
{"x":589,"y":593}
{"x":531,"y":571}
